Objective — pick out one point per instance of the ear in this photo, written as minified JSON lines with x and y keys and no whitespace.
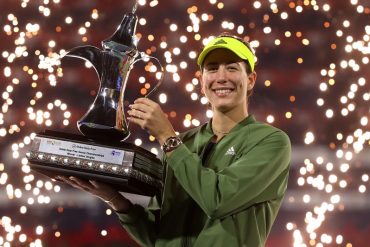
{"x":252,"y":77}
{"x":201,"y":83}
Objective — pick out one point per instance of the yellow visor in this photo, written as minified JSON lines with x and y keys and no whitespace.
{"x":232,"y":44}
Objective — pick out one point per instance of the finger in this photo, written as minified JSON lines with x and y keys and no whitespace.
{"x":59,"y":178}
{"x":98,"y":185}
{"x":140,"y":107}
{"x":82,"y":183}
{"x":136,"y":114}
{"x":144,"y":101}
{"x":72,"y":183}
{"x":63,"y":179}
{"x":95,"y":183}
{"x":137,"y":121}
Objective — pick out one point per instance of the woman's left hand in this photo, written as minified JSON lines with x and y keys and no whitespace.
{"x":149,"y":116}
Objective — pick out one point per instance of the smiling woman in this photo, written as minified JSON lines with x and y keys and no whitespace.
{"x":227,"y":78}
{"x":225,"y":82}
{"x":312,"y":74}
{"x":225,"y":180}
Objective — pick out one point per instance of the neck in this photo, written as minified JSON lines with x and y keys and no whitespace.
{"x":223,"y":122}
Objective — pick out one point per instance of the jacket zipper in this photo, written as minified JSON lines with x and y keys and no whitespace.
{"x":207,"y":151}
{"x":236,"y":230}
{"x":185,"y":242}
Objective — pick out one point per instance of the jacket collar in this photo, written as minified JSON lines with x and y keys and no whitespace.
{"x":248,"y":120}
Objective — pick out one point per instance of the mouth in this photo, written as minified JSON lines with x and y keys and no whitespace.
{"x":222,"y":92}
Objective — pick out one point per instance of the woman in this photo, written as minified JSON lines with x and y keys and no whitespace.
{"x":226,"y":179}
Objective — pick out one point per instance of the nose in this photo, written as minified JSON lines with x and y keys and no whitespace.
{"x":221,"y":74}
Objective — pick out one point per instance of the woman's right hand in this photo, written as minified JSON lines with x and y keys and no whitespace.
{"x":104,"y":191}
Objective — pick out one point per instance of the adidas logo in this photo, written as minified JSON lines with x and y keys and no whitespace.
{"x":230,"y":151}
{"x":221,"y":41}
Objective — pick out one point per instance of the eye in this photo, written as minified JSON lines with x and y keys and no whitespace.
{"x":232,"y":68}
{"x":211,"y":68}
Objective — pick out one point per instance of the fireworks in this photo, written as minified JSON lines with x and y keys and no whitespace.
{"x":331,"y":57}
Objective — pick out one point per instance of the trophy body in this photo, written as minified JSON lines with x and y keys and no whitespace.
{"x":100,"y":154}
{"x":105,"y":120}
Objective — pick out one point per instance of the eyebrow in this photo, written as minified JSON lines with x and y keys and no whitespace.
{"x":217,"y":63}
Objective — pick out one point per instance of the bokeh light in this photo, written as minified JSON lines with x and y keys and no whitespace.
{"x":313,"y":82}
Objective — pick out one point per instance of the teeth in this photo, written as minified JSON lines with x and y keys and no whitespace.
{"x":223,"y":91}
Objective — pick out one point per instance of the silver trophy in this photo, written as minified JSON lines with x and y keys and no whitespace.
{"x":101,"y":154}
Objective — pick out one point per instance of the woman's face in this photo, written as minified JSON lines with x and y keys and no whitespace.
{"x":225,"y":81}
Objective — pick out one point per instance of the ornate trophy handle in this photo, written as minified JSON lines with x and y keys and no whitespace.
{"x":145,"y":57}
{"x":140,"y":56}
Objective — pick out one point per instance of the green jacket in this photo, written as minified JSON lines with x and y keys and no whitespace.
{"x":230,"y":200}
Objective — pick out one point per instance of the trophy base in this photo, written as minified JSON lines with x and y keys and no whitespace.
{"x":102,"y":133}
{"x":125,"y":166}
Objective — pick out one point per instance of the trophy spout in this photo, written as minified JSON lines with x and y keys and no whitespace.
{"x":88,"y":53}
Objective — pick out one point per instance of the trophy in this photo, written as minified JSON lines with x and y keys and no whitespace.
{"x":100,"y":153}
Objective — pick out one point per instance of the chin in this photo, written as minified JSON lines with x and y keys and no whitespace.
{"x":223,"y":108}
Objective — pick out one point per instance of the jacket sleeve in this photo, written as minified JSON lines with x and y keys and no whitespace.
{"x":259,"y":175}
{"x":140,"y":223}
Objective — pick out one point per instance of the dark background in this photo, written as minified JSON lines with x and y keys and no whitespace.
{"x":72,"y":218}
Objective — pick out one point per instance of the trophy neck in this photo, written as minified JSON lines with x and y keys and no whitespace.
{"x":124,"y":38}
{"x":115,"y":69}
